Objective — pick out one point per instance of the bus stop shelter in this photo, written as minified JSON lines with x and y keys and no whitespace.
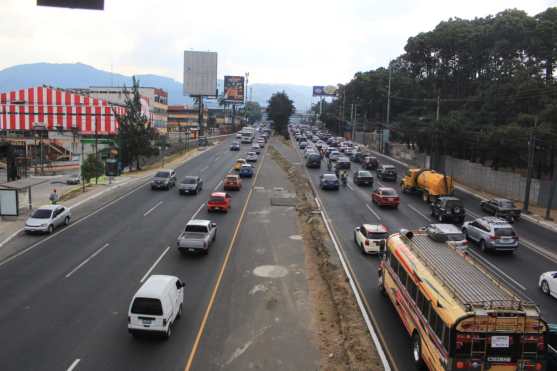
{"x":11,"y":195}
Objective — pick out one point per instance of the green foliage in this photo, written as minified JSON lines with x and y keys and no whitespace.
{"x":92,"y":168}
{"x":495,"y":79}
{"x":279,"y":110}
{"x":252,"y":110}
{"x":135,"y":134}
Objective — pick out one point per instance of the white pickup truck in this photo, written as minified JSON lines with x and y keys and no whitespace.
{"x":197,"y":236}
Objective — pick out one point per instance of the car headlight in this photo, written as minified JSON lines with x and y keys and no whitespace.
{"x":43,"y":225}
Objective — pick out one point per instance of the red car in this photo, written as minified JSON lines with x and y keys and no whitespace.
{"x":384,"y":196}
{"x":219,"y":201}
{"x":232,"y":181}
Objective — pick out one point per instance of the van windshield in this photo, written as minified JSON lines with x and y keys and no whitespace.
{"x":147,"y":306}
{"x":196,"y":228}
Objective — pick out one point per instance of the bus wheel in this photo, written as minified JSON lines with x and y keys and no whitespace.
{"x":417,"y":352}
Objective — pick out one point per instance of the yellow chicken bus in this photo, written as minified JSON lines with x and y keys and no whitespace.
{"x":458,"y":314}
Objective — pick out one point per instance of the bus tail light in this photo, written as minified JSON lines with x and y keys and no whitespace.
{"x":472,"y":364}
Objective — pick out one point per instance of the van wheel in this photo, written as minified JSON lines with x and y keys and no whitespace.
{"x":50,"y":229}
{"x":545,"y":287}
{"x":67,"y":220}
{"x":440,"y":218}
{"x":425,"y":196}
{"x":168,"y":332}
{"x":483,"y":246}
{"x":417,"y":352}
{"x":179,"y":315}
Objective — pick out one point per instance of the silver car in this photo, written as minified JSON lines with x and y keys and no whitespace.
{"x":164,"y":179}
{"x":46,"y":218}
{"x":491,"y":233}
{"x":448,"y":233}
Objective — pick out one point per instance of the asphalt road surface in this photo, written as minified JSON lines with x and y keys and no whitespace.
{"x":351,"y":206}
{"x":65,"y":301}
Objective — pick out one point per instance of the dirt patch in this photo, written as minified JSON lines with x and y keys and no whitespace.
{"x":341,"y":333}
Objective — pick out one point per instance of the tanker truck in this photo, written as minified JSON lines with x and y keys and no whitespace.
{"x":429,"y":183}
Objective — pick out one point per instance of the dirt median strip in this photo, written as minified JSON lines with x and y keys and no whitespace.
{"x":344,"y":341}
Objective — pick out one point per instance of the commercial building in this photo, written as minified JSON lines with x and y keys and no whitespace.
{"x":155,"y":99}
{"x":184,"y":118}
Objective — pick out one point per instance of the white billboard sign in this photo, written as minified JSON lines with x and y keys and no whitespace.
{"x":200,"y":73}
{"x":8,"y":202}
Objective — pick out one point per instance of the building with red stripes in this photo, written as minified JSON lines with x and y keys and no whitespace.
{"x":57,"y":109}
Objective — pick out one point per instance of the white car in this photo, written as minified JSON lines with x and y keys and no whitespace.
{"x":251,"y":157}
{"x":371,"y":238}
{"x":47,"y":218}
{"x":548,"y":283}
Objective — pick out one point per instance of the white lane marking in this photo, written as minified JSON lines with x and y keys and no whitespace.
{"x":73,"y":365}
{"x":349,"y":186}
{"x":217,"y":157}
{"x":198,"y":210}
{"x":497,"y":269}
{"x":154,"y":264}
{"x":373,"y":212}
{"x":539,"y":250}
{"x":380,"y":184}
{"x":419,"y":213}
{"x":359,"y":300}
{"x":473,"y":214}
{"x":88,"y":259}
{"x":205,"y":168}
{"x":153,"y":208}
{"x":218,"y":185}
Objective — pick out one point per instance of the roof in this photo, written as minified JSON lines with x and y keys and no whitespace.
{"x":386,"y":189}
{"x":152,"y":288}
{"x":49,"y":207}
{"x":24,"y":183}
{"x":380,"y":228}
{"x":465,"y":279}
{"x":218,"y":194}
{"x":446,"y":228}
{"x":201,"y":222}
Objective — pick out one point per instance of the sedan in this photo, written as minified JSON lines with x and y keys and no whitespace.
{"x":251,"y":157}
{"x":246,"y":171}
{"x":362,"y":177}
{"x":73,"y":179}
{"x":384,"y":196}
{"x":548,"y":283}
{"x":47,"y":218}
{"x":328,"y":181}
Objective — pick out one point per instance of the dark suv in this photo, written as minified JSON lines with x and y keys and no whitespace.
{"x":446,"y":208}
{"x":313,"y":161}
{"x":386,"y":172}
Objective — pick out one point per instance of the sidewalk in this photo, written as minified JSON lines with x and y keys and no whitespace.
{"x":73,"y":196}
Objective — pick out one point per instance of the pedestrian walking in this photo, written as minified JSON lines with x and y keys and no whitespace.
{"x":54,"y":197}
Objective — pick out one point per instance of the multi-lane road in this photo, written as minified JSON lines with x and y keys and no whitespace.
{"x":65,"y":300}
{"x":351,"y":206}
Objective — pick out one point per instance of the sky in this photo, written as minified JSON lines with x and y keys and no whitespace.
{"x":302,"y":42}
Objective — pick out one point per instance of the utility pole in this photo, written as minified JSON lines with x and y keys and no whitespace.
{"x":200,"y":115}
{"x":352,"y":114}
{"x":389,"y":98}
{"x":233,"y":117}
{"x":552,"y":190}
{"x":531,"y":154}
{"x":96,"y":148}
{"x":438,"y":105}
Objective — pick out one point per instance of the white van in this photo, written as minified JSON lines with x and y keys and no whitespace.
{"x":156,"y":305}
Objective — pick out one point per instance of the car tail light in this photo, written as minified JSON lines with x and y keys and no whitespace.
{"x":367,"y":243}
{"x":493,"y":238}
{"x":164,"y":322}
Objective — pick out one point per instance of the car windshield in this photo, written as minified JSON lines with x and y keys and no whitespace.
{"x":388,"y":168}
{"x":455,"y":237}
{"x":504,"y":232}
{"x":196,"y":228}
{"x":149,"y":306}
{"x":231,"y":178}
{"x":329,"y":177}
{"x":507,"y":204}
{"x":41,"y":214}
{"x":388,"y":192}
{"x":162,"y":174}
{"x":364,"y":174}
{"x":189,"y":181}
{"x":216,"y":199}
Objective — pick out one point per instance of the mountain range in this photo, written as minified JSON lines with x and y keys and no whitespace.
{"x":79,"y":75}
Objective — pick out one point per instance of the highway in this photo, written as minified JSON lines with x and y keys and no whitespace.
{"x":65,"y":300}
{"x":351,"y":206}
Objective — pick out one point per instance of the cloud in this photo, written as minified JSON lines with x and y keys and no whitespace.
{"x":304,"y":42}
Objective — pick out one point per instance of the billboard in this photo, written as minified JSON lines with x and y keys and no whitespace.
{"x":200,"y":73}
{"x":325,"y":91}
{"x":234,"y":89}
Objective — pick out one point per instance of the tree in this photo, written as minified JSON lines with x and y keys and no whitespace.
{"x":279,"y":110}
{"x":91,"y":168}
{"x":135,"y":134}
{"x":252,"y":110}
